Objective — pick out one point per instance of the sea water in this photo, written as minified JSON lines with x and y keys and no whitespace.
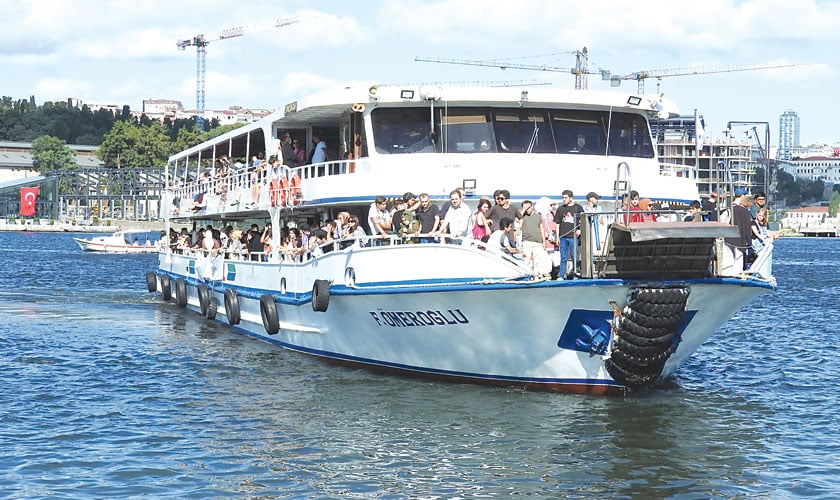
{"x":107,"y":392}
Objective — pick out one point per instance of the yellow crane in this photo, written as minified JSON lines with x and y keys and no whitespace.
{"x":581,"y":69}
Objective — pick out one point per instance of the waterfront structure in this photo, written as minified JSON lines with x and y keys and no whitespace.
{"x":681,"y":141}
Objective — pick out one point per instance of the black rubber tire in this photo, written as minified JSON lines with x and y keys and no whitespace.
{"x":232,"y":310}
{"x":642,"y":366}
{"x":212,"y":308}
{"x":667,"y":322}
{"x":203,"y":298}
{"x":627,"y":378}
{"x":165,"y":287}
{"x":634,"y":339}
{"x":661,"y":310}
{"x":151,"y":281}
{"x":642,"y":351}
{"x":660,"y":295}
{"x":628,"y":325}
{"x":268,"y":311}
{"x":320,"y":295}
{"x":181,"y":292}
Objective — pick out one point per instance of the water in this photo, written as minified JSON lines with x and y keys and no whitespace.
{"x":106,"y":393}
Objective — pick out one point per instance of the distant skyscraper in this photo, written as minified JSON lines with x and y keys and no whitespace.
{"x":788,"y":134}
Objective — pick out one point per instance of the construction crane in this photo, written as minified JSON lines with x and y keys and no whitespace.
{"x":200,"y":43}
{"x":580,"y":70}
{"x":641,"y":76}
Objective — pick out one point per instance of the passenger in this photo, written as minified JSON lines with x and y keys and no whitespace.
{"x":503,"y":239}
{"x":379,"y":220}
{"x":318,"y":238}
{"x":596,"y":222}
{"x":759,"y":202}
{"x":448,"y":203}
{"x":648,"y":215}
{"x":429,"y":216}
{"x":319,"y":151}
{"x":287,"y":152}
{"x":341,"y":220}
{"x":457,"y":219}
{"x":481,"y":227}
{"x":710,"y":207}
{"x":396,"y":215}
{"x":735,"y":253}
{"x":546,"y":207}
{"x":265,"y":240}
{"x":580,"y":145}
{"x":533,"y":239}
{"x":761,"y":235}
{"x":300,"y":152}
{"x":253,"y":242}
{"x":694,"y":212}
{"x":502,"y":209}
{"x":567,"y":218}
{"x":409,"y":226}
{"x":635,"y":209}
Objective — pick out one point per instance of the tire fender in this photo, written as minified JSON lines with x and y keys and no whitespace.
{"x":268,"y":311}
{"x":232,"y":307}
{"x":181,"y":292}
{"x":320,"y":295}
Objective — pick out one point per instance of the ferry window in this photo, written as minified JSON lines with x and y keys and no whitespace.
{"x":581,"y":132}
{"x":466,"y":131}
{"x":523,"y":132}
{"x":629,"y":136}
{"x":402,"y":130}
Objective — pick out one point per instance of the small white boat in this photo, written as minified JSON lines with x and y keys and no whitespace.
{"x":124,"y":241}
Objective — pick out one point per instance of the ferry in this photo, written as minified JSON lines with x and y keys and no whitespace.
{"x":638,"y":301}
{"x":122,"y":241}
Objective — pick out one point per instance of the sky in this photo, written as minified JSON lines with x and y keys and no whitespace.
{"x":122,"y":52}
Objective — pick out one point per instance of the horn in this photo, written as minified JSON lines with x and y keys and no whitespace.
{"x":358,"y":107}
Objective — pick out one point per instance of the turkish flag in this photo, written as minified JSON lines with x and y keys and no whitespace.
{"x":27,"y":201}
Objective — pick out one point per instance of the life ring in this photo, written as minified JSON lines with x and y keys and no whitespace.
{"x":203,"y":298}
{"x":232,"y":307}
{"x":294,"y":189}
{"x":165,"y":287}
{"x":320,"y":295}
{"x":181,"y":292}
{"x":151,"y":281}
{"x":212,"y":308}
{"x":268,"y":311}
{"x":273,"y":192}
{"x":284,"y":191}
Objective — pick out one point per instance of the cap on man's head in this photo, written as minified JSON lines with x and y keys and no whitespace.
{"x":740,"y":191}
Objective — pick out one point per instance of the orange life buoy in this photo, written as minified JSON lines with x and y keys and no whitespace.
{"x":284,"y":191}
{"x":294,"y":189}
{"x":273,"y":191}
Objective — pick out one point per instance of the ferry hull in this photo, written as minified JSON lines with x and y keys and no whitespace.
{"x":538,"y":334}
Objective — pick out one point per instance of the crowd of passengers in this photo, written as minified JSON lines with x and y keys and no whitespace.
{"x":545,"y":233}
{"x":289,"y":151}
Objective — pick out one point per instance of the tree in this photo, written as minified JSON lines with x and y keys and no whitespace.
{"x":130,"y":146}
{"x":834,"y":204}
{"x":52,"y":154}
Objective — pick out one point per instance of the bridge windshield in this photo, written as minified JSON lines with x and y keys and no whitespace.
{"x":514,"y":130}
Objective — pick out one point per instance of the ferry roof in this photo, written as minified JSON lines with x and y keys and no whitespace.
{"x":322,"y":109}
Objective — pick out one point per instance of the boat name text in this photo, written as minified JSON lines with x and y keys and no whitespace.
{"x":419,"y":318}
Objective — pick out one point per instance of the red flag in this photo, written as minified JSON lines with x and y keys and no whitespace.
{"x":27,"y":201}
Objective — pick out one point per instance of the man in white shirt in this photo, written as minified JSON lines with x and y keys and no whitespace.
{"x":457,"y":218}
